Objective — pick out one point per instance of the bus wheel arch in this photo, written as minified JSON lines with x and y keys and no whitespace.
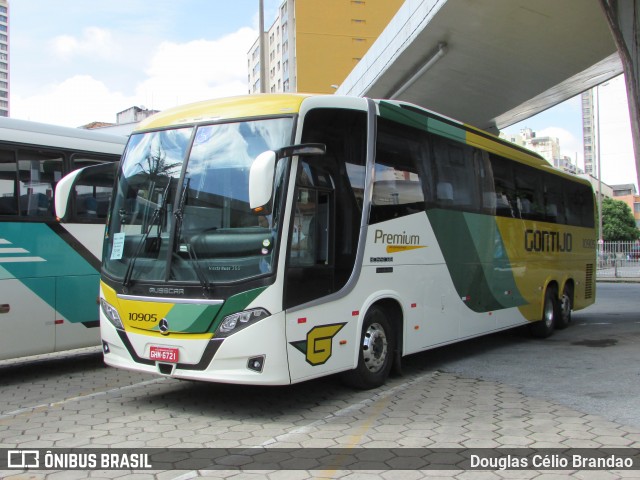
{"x":377,"y":346}
{"x":396,"y":317}
{"x":550,"y":311}
{"x":565,"y":305}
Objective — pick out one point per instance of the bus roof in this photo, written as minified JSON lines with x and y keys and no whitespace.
{"x":256,"y":105}
{"x":24,"y":132}
{"x":225,"y":108}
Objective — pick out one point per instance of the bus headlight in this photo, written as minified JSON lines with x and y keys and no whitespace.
{"x":111,"y":313}
{"x":237,"y":321}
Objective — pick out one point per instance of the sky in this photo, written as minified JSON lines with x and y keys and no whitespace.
{"x":74,"y":62}
{"x":564,"y":122}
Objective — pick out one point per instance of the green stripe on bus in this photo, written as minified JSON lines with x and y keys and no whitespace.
{"x":45,"y":255}
{"x":422,"y":121}
{"x":236,"y":303}
{"x":192,"y":318}
{"x":479,"y":267}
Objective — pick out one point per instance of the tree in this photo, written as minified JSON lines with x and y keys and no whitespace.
{"x":618,"y":223}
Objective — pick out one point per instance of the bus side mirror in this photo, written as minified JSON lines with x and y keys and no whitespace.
{"x":261,"y":174}
{"x":261,"y":182}
{"x":99,"y":175}
{"x":62,"y":196}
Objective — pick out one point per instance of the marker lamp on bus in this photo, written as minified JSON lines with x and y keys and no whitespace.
{"x":236,"y":322}
{"x":111,"y":313}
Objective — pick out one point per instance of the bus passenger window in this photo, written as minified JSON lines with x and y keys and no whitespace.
{"x":398,"y":188}
{"x":38,"y":174}
{"x":8,"y":194}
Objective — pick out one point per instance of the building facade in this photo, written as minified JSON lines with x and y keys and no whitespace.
{"x":4,"y":58}
{"x":589,"y":132}
{"x":548,"y":147}
{"x":312,"y":46}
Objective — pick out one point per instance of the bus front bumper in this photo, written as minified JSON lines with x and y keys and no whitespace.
{"x":255,"y":355}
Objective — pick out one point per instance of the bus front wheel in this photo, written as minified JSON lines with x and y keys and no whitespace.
{"x":376,"y":349}
{"x":544,"y":327}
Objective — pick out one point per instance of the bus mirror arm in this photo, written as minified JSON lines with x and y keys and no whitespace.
{"x":262,"y":173}
{"x":303,"y":150}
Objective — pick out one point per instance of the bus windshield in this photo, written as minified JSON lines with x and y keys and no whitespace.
{"x":181,"y":211}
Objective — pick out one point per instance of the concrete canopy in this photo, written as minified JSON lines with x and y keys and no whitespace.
{"x":502,"y":61}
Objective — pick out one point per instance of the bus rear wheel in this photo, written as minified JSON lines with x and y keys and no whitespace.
{"x":566,"y":305}
{"x":544,"y":327}
{"x":375,"y":357}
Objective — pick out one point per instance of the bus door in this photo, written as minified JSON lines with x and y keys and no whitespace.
{"x":323,"y":241}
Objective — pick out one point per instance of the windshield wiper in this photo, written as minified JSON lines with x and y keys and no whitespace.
{"x":126,"y":281}
{"x":193,"y":259}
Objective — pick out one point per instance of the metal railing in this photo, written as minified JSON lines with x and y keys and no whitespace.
{"x":618,"y":260}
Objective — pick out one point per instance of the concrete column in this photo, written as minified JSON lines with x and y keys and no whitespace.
{"x":624,"y":21}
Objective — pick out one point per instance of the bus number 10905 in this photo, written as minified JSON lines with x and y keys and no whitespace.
{"x":142,"y":317}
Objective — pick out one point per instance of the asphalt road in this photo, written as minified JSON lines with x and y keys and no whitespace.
{"x":579,"y":388}
{"x":592,"y":366}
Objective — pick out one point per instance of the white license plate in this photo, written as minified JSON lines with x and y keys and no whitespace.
{"x":164,"y":354}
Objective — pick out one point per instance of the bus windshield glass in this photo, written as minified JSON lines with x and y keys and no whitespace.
{"x":181,"y":210}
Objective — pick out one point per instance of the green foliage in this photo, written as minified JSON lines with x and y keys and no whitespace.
{"x":618,"y":223}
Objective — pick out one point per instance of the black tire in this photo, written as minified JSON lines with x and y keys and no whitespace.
{"x":377,"y":346}
{"x":545,"y":326}
{"x":564,"y":308}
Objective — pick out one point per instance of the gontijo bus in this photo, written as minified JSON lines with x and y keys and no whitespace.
{"x":49,"y":271}
{"x":272,"y":239}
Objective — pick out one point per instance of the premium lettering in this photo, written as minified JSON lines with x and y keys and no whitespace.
{"x":396,"y":238}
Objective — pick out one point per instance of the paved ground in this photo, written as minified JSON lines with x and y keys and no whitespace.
{"x":570,"y":391}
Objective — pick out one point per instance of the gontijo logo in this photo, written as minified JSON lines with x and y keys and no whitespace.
{"x":397,"y":242}
{"x":317,"y":348}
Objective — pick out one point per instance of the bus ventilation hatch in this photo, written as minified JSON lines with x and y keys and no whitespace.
{"x":588,"y":285}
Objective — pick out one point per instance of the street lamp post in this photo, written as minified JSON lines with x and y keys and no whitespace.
{"x":600,"y":236}
{"x":263,"y":56}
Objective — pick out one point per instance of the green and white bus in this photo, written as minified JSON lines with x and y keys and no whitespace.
{"x":49,"y":271}
{"x":272,"y":239}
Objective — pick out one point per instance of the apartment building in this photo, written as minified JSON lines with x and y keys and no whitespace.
{"x":548,"y":147}
{"x":589,"y":131}
{"x":312,"y":46}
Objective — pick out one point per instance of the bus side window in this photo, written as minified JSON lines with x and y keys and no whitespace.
{"x":38,"y":173}
{"x":529,"y":192}
{"x":398,"y":189}
{"x":456,"y":188}
{"x":504,"y":184}
{"x":553,"y":200}
{"x":8,"y":183}
{"x":92,"y":192}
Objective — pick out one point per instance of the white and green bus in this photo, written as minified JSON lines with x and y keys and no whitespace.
{"x":272,"y":239}
{"x":49,"y":271}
